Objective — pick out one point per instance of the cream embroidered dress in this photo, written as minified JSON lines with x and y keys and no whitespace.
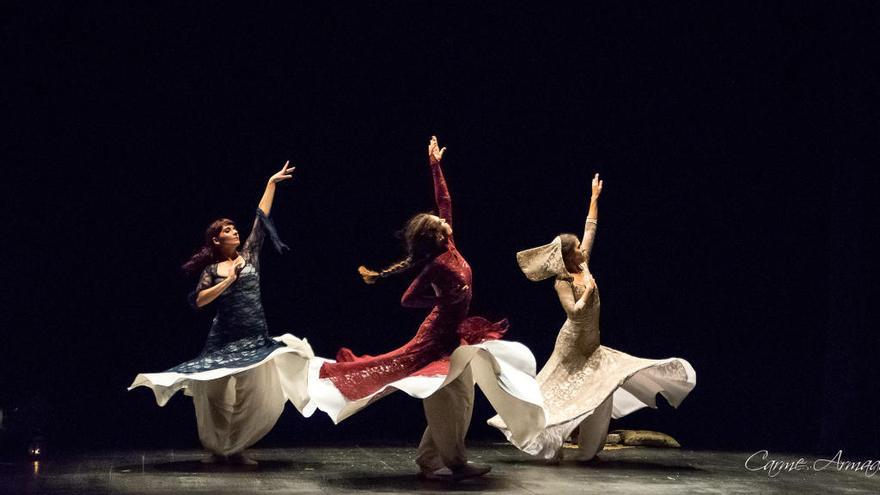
{"x":585,"y":383}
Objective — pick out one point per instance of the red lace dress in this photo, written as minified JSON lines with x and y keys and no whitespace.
{"x":446,"y":343}
{"x":445,"y":328}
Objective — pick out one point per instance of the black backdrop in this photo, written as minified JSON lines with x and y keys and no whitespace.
{"x":733,"y":230}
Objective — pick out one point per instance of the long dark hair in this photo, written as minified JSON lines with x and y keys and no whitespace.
{"x":207,"y":254}
{"x":569,"y":243}
{"x":423,"y":240}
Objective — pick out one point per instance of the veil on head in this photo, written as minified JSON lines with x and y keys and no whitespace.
{"x":542,"y":262}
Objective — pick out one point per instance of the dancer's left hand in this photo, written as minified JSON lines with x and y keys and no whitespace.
{"x":596,"y":187}
{"x":435,"y":153}
{"x":283,"y":174}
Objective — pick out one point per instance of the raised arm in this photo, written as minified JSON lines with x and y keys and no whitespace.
{"x":262,"y":224}
{"x":592,"y":218}
{"x":269,"y":192}
{"x":441,"y":192}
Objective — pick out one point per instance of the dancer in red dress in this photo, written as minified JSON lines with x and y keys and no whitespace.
{"x":448,"y":354}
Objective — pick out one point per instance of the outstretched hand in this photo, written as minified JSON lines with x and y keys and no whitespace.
{"x":283,"y":174}
{"x":435,"y":153}
{"x":596,"y":186}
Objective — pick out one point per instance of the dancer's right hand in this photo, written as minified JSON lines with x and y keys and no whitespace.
{"x":236,"y":268}
{"x":589,"y":283}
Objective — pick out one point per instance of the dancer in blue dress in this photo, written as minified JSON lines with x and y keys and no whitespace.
{"x":242,"y":378}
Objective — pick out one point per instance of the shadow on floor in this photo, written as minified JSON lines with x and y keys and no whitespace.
{"x":407,"y":483}
{"x":601,"y":465}
{"x":196,"y":466}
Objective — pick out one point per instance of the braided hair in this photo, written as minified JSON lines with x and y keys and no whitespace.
{"x":423,"y":239}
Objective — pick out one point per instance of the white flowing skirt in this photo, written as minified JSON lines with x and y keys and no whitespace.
{"x":235,"y":407}
{"x":632,"y":383}
{"x":504,"y":371}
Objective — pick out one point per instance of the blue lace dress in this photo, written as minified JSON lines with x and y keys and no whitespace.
{"x":239,"y":335}
{"x":239,"y":339}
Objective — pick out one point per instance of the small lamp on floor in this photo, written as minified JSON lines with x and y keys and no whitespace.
{"x":36,"y":448}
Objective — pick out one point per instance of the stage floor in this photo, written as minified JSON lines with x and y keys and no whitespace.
{"x":386,"y":469}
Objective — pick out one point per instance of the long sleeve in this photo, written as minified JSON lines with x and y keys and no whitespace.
{"x":589,"y":237}
{"x":262,"y":226}
{"x":441,"y":194}
{"x":420,"y":293}
{"x":205,"y":281}
{"x":571,"y":306}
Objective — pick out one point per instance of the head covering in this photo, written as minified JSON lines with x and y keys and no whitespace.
{"x":543,"y":261}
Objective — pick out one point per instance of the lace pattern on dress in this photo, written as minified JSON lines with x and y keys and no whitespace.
{"x":439,"y":334}
{"x":236,"y":354}
{"x":239,"y":333}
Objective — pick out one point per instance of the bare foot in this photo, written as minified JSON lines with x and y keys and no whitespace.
{"x":557,"y":457}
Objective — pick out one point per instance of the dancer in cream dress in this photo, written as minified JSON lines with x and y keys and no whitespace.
{"x":584,"y":383}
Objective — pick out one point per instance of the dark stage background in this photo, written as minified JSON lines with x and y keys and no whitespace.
{"x":733,"y":228}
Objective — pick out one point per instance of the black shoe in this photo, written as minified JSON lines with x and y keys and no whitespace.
{"x":470,"y":470}
{"x":213,"y":459}
{"x":241,"y":460}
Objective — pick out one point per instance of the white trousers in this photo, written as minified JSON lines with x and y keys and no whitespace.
{"x":234,"y":412}
{"x":448,"y":412}
{"x":594,"y":430}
